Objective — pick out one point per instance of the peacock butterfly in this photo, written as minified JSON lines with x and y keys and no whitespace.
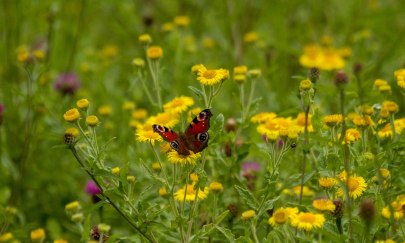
{"x":195,"y":138}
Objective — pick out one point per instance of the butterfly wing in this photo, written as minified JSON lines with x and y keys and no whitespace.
{"x":176,"y":141}
{"x":197,"y":132}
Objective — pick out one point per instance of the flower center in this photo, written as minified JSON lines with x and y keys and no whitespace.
{"x":177,"y":102}
{"x":353,"y":184}
{"x":209,"y":74}
{"x":307,"y":218}
{"x":280,"y":217}
{"x":190,"y":190}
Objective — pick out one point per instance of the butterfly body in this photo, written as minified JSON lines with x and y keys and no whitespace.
{"x":194,"y":139}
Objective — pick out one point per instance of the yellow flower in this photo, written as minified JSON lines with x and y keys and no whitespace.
{"x":306,"y":192}
{"x":138,"y":62}
{"x":380,"y":82}
{"x":128,"y":105}
{"x":104,"y":228}
{"x":367,"y":110}
{"x":145,"y":133}
{"x":190,"y":194}
{"x":390,"y":106}
{"x":196,"y":68}
{"x":263,"y":117}
{"x":105,"y":110}
{"x":212,"y":76}
{"x":255,"y":73}
{"x":193,"y":177}
{"x":216,"y":186}
{"x":92,"y":121}
{"x":342,"y":176}
{"x":139,"y":114}
{"x":178,"y":104}
{"x":38,"y":235}
{"x":250,"y":37}
{"x":352,"y":135}
{"x":167,"y":119}
{"x":327,"y":182}
{"x":324,"y":58}
{"x":6,"y":237}
{"x":363,"y":121}
{"x":60,"y":241}
{"x":72,"y":131}
{"x":248,"y":214}
{"x":385,"y":88}
{"x":208,"y":43}
{"x":308,"y":221}
{"x":109,"y":51}
{"x":116,"y":171}
{"x":154,"y":52}
{"x":23,"y":54}
{"x":167,"y":27}
{"x":72,"y":207}
{"x":385,"y":241}
{"x":156,"y":166}
{"x":83,"y":104}
{"x":323,"y":204}
{"x":305,"y":85}
{"x":384,"y":173}
{"x":131,"y":179}
{"x":282,"y":215}
{"x":401,"y":83}
{"x":71,"y":115}
{"x":162,"y":192}
{"x":384,"y":113}
{"x":145,"y":39}
{"x":181,"y":21}
{"x":356,"y":185}
{"x":240,"y":78}
{"x":177,"y":158}
{"x":240,"y":70}
{"x":397,"y":207}
{"x":300,"y":122}
{"x":38,"y":54}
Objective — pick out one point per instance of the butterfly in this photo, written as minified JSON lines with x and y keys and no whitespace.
{"x":195,"y":138}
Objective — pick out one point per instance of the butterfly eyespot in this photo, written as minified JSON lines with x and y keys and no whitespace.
{"x":202,"y":136}
{"x":174,"y":145}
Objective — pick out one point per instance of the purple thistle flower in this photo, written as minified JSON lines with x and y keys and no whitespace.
{"x":251,"y":166}
{"x":92,"y":188}
{"x":67,"y":83}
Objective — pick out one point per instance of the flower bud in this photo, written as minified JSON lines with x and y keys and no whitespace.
{"x":341,"y":78}
{"x":339,"y":206}
{"x":367,"y":211}
{"x":77,"y":217}
{"x":83,"y":104}
{"x":248,"y":214}
{"x":314,"y":74}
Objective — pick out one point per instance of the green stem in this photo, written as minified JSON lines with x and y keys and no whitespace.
{"x":305,"y":152}
{"x":145,"y":88}
{"x":253,"y":229}
{"x":346,"y":157}
{"x":133,"y":225}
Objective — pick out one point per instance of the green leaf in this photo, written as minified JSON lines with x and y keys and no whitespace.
{"x":94,"y":207}
{"x":151,"y":174}
{"x":247,"y":197}
{"x":196,"y":91}
{"x":221,"y":217}
{"x":86,"y":228}
{"x":227,"y":233}
{"x":269,"y":204}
